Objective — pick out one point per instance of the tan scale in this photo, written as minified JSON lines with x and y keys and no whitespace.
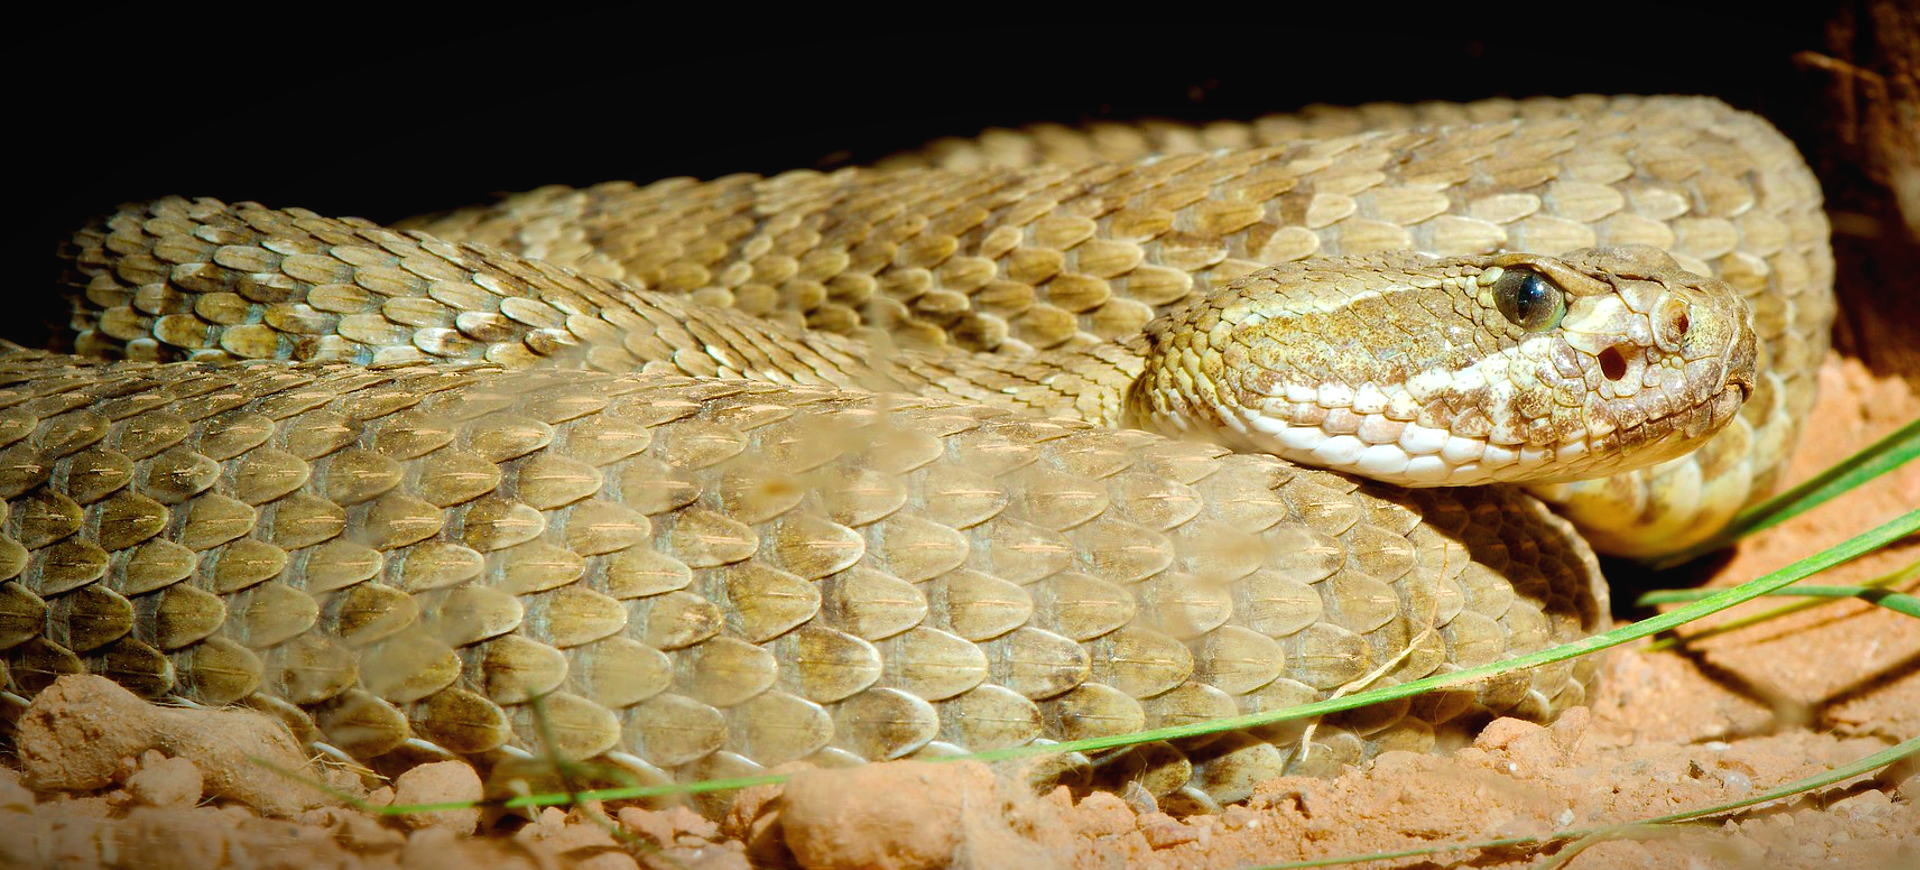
{"x":702,"y":578}
{"x":1013,"y":240}
{"x":365,"y":633}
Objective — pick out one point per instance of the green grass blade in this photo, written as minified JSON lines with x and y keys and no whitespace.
{"x":1898,"y":602}
{"x":1893,"y":530}
{"x":1877,"y":760}
{"x":1822,"y":779}
{"x":1878,"y":458}
{"x":1888,"y":579}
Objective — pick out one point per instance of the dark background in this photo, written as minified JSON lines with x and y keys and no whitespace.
{"x":384,"y":111}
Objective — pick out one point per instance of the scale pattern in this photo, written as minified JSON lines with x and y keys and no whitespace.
{"x":1045,"y":256}
{"x":396,"y":539}
{"x":204,"y":280}
{"x":706,"y":578}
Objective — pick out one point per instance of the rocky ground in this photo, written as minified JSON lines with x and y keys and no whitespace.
{"x":100,"y":779}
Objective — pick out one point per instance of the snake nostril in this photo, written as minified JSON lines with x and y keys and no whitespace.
{"x":1672,"y":323}
{"x":1613,"y":364}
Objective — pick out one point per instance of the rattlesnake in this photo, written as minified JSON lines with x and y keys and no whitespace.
{"x":712,"y":541}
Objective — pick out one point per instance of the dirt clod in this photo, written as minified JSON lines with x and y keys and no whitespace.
{"x":78,"y":733}
{"x":101,"y":776}
{"x":440,"y":783}
{"x":901,"y":816}
{"x":1165,"y":832}
{"x":168,"y":783}
{"x":855,"y":818}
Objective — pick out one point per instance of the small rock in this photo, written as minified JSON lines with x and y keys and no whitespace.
{"x":167,"y":783}
{"x":550,"y":821}
{"x":903,"y":815}
{"x":750,"y":803}
{"x":1525,"y":745}
{"x":569,"y":831}
{"x":1904,"y":776}
{"x":1570,"y":730}
{"x":1865,"y":805}
{"x":1164,"y":832}
{"x":1141,"y":801}
{"x":648,"y":825}
{"x":78,"y":734}
{"x":687,"y":823}
{"x":765,"y":842}
{"x":439,"y":783}
{"x":347,"y":781}
{"x":1103,"y":814}
{"x":135,"y":765}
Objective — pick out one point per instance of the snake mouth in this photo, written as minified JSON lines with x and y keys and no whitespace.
{"x":1745,"y":383}
{"x":1726,"y":403}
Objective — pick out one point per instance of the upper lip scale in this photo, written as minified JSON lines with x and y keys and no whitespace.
{"x":1745,"y":383}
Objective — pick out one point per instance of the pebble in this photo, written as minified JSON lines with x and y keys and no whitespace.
{"x":439,"y":783}
{"x":168,"y":783}
{"x":905,"y":815}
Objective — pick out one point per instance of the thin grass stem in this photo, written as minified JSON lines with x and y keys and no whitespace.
{"x":1876,"y":459}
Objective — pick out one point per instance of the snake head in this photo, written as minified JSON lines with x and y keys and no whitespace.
{"x":1459,"y":371}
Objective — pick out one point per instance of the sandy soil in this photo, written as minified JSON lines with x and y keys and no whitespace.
{"x":103,"y":780}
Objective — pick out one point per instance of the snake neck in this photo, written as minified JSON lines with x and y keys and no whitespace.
{"x":1635,"y":361}
{"x":1087,"y":382}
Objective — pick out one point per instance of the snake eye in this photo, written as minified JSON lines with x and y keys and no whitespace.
{"x":1529,"y":300}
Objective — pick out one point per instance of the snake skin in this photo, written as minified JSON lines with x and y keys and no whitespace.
{"x":1013,"y":259}
{"x":704,"y":578}
{"x":707,"y":578}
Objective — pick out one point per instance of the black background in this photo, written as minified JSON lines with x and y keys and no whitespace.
{"x":384,"y":111}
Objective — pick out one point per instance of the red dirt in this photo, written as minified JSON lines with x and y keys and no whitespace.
{"x":102,"y":780}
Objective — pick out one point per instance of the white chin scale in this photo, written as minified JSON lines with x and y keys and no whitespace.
{"x":1391,"y":451}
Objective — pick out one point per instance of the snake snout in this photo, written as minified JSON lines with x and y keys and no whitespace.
{"x":1744,"y":384}
{"x":1613,"y":363}
{"x":1742,"y":351}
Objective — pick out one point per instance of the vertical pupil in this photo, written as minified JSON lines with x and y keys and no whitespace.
{"x":1528,"y":298}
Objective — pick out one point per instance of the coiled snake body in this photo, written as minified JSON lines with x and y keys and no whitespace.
{"x":730,"y":524}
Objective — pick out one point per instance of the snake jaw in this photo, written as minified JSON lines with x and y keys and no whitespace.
{"x":1405,"y":369}
{"x":1744,"y":385}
